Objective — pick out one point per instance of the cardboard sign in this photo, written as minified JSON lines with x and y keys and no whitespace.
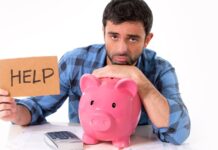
{"x":33,"y":76}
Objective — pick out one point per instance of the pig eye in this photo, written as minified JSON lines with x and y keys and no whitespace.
{"x":92,"y":102}
{"x":113,"y":105}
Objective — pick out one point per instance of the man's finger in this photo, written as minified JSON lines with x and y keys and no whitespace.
{"x":5,"y":106}
{"x":3,"y":92}
{"x":4,"y":99}
{"x":4,"y":114}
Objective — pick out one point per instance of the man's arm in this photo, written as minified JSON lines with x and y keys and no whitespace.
{"x":32,"y":110}
{"x":164,"y":106}
{"x":154,"y":103}
{"x":179,"y":122}
{"x":23,"y":116}
{"x":10,"y":111}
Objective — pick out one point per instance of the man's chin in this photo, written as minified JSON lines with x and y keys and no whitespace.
{"x":120,"y":63}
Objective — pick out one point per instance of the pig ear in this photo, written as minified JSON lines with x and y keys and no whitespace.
{"x":127,"y":84}
{"x":88,"y":80}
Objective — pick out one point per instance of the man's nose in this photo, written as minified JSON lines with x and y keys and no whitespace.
{"x":122,"y":47}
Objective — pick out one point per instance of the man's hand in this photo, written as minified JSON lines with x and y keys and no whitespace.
{"x":10,"y":111}
{"x":122,"y":71}
{"x":7,"y":106}
{"x":126,"y":71}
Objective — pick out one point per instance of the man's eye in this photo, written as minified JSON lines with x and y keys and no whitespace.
{"x":133,"y":40}
{"x":114,"y":37}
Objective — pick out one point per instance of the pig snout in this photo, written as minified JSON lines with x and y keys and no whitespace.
{"x":101,"y":121}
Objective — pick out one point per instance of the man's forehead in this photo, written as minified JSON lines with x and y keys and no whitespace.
{"x":128,"y":28}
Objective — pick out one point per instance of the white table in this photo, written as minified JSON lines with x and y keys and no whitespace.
{"x":32,"y":138}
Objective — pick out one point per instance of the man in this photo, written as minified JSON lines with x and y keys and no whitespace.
{"x":126,"y":28}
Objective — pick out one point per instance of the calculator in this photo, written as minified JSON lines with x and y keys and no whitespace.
{"x":63,"y":140}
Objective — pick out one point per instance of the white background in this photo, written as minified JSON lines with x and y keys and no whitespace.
{"x":185,"y":33}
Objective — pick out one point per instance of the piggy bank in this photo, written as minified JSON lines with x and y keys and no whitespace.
{"x":109,"y":110}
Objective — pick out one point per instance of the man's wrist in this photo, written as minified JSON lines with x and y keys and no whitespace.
{"x":22,"y":115}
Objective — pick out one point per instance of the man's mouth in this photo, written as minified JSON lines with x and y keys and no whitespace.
{"x":120,"y":59}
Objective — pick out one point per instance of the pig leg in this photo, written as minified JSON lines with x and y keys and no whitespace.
{"x":89,"y":140}
{"x":123,"y":142}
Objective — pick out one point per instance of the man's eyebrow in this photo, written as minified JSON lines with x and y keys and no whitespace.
{"x":111,"y":32}
{"x":134,"y":36}
{"x":129,"y":35}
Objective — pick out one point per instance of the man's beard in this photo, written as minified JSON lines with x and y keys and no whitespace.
{"x":129,"y":60}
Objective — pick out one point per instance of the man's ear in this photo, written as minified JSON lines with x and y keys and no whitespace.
{"x":103,"y":31}
{"x":148,"y":39}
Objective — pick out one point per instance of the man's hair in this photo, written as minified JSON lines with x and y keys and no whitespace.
{"x":119,"y":11}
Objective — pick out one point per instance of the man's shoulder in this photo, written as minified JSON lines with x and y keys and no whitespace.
{"x":158,"y":61}
{"x":86,"y":49}
{"x":149,"y":54}
{"x":84,"y":52}
{"x":152,"y":55}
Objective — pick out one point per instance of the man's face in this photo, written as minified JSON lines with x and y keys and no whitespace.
{"x":124,"y":42}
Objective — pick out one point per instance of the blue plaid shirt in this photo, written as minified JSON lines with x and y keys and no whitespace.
{"x":75,"y":63}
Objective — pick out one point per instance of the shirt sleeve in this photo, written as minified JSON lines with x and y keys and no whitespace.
{"x":42,"y":106}
{"x":179,"y":125}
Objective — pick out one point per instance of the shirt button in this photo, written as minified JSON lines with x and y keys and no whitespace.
{"x":171,"y":130}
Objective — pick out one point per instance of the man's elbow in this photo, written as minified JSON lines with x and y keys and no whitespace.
{"x":179,"y":137}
